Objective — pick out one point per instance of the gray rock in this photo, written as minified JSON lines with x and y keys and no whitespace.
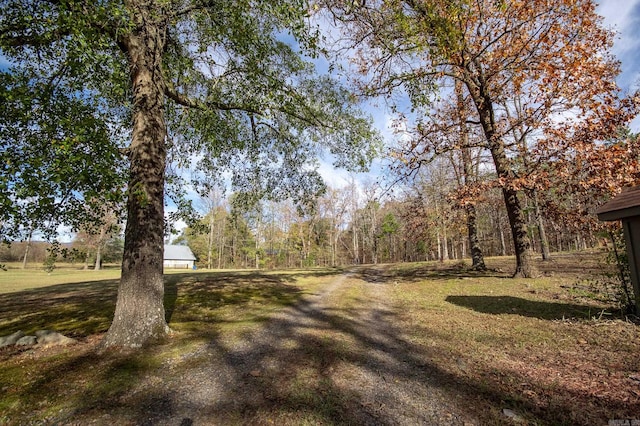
{"x":512,"y":415}
{"x":11,"y":339}
{"x":27,"y":341}
{"x":51,"y":338}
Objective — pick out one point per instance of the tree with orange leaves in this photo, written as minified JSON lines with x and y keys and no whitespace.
{"x":553,"y":56}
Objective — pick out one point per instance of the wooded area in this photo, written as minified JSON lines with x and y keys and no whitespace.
{"x":510,"y":126}
{"x":350,"y":227}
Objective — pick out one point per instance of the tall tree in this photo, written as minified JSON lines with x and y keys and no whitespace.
{"x":334,"y":205}
{"x":468,"y":177}
{"x":185,"y":78}
{"x":447,"y":132}
{"x":214,"y":207}
{"x":554,"y":53}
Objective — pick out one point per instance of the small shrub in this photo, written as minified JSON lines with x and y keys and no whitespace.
{"x":52,"y":255}
{"x":614,"y":284}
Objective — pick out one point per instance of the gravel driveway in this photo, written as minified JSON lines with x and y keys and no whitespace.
{"x":320,"y":361}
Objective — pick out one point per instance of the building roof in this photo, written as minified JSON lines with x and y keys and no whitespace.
{"x":624,"y":205}
{"x":178,"y":253}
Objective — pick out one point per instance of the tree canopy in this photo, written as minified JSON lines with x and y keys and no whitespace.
{"x":532,"y":71}
{"x":145,"y":100}
{"x":155,"y":87}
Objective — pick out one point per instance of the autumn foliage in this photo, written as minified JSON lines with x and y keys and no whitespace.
{"x":539,"y":96}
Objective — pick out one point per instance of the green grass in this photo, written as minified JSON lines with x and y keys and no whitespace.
{"x":200,"y":306}
{"x":489,"y":342}
{"x":14,"y":280}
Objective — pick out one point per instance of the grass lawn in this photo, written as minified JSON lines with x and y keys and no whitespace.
{"x":15,"y":279}
{"x":545,"y":348}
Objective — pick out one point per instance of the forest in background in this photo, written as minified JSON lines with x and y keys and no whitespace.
{"x":422,"y":217}
{"x":347,"y":225}
{"x":510,"y":130}
{"x":424,"y":220}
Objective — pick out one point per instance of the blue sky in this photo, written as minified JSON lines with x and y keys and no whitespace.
{"x":623,"y":16}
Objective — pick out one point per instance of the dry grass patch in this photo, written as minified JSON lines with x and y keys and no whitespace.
{"x":527,"y":345}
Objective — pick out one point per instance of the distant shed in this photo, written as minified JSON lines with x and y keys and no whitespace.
{"x":626,"y":207}
{"x":178,"y":257}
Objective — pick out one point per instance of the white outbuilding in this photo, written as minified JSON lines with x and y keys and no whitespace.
{"x":178,"y":257}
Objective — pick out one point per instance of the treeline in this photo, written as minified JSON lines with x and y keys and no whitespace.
{"x":355,"y":225}
{"x":37,"y":251}
{"x":424,"y":218}
{"x":80,"y":252}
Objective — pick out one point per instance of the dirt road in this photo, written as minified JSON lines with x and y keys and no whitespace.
{"x":334,"y":357}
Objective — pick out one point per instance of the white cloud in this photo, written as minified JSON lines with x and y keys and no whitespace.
{"x":616,"y":13}
{"x":624,"y":18}
{"x":333,"y":177}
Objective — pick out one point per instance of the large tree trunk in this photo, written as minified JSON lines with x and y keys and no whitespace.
{"x":517,"y":223}
{"x":139,"y":315}
{"x":521,"y":242}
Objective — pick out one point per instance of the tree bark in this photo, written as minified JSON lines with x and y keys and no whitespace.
{"x":521,"y":242}
{"x":139,"y":316}
{"x":472,"y":230}
{"x":484,"y":105}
